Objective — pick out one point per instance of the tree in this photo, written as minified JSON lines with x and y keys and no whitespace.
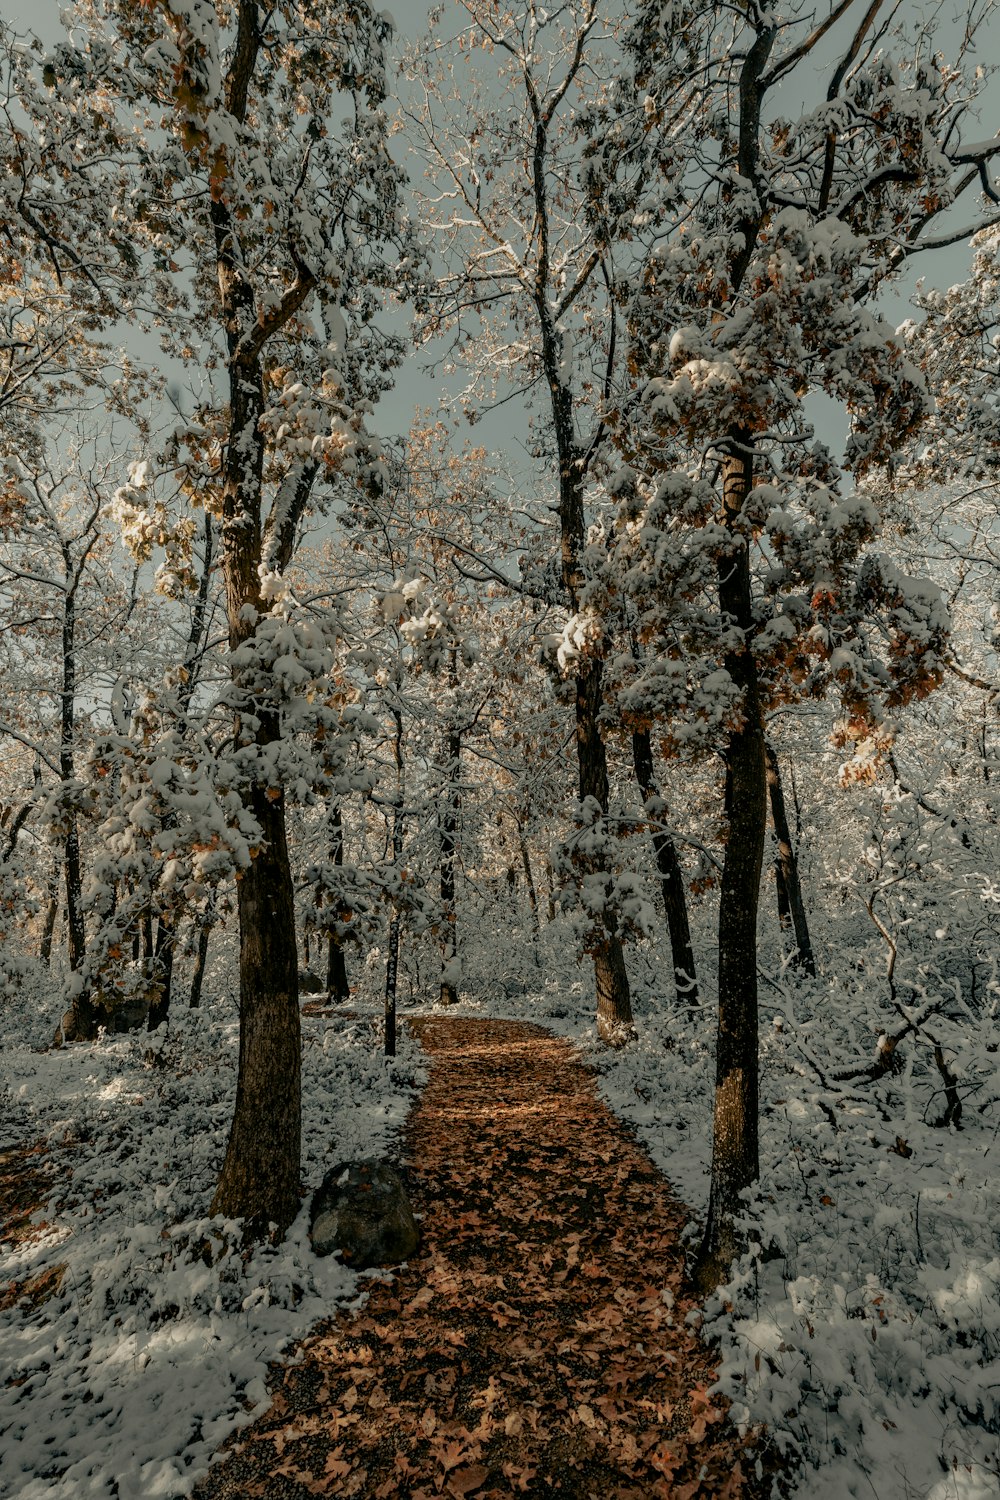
{"x":525,"y":292}
{"x":741,"y":538}
{"x":791,"y":907}
{"x":265,"y":204}
{"x":69,"y":603}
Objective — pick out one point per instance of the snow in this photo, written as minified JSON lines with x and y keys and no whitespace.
{"x":863,"y":1329}
{"x":156,"y":1345}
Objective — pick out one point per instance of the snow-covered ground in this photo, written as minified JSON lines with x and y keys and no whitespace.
{"x":866,"y":1335}
{"x":157,"y":1343}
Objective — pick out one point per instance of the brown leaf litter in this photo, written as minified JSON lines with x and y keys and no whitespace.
{"x":25,"y":1188}
{"x":538,"y":1344}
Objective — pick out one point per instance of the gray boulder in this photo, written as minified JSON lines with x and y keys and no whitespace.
{"x":130,"y":1014}
{"x":310,"y":984}
{"x":361,"y":1209}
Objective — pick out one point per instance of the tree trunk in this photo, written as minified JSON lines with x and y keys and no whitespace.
{"x":83,"y":1020}
{"x":671,"y":875}
{"x":614,"y":1002}
{"x":49,"y":927}
{"x":392,"y":962}
{"x":201,"y":956}
{"x":75,"y":934}
{"x":787,"y":867}
{"x":449,"y":828}
{"x":735,"y":1124}
{"x":529,"y":881}
{"x":337,"y":987}
{"x":781,"y":893}
{"x":391,"y":972}
{"x":735,"y":1163}
{"x":163,"y":975}
{"x":259,"y":1181}
{"x":550,"y":890}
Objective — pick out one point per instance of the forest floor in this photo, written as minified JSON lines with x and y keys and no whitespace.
{"x":542,"y":1341}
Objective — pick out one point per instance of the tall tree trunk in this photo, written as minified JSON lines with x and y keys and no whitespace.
{"x":781,"y":894}
{"x":735,"y":1158}
{"x":391,"y":973}
{"x":550,"y":890}
{"x":448,"y":814}
{"x":259,"y":1181}
{"x":529,"y":881}
{"x":787,"y":867}
{"x":49,"y":927}
{"x":201,"y":955}
{"x":671,"y":875}
{"x":392,"y":962}
{"x":83,"y":1019}
{"x":614,"y":1002}
{"x":735,"y":1122}
{"x":163,"y":975}
{"x":337,"y":987}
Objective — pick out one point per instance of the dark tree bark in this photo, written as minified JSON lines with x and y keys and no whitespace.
{"x":614,"y":1002}
{"x":259,"y":1181}
{"x":392,"y":962}
{"x":391,"y":973}
{"x":162,"y":975}
{"x":671,"y":876}
{"x":337,"y":987}
{"x":159,"y":952}
{"x":550,"y":891}
{"x":529,"y":880}
{"x":786,"y":869}
{"x":201,"y":956}
{"x":260,"y":1175}
{"x":781,"y":893}
{"x":49,"y":927}
{"x":735,"y":1122}
{"x":735,"y":1152}
{"x":448,"y":811}
{"x":83,"y":1019}
{"x":448,"y":815}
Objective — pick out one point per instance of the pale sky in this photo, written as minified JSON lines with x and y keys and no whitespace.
{"x":414,"y":390}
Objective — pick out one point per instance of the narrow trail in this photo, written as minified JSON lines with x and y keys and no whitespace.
{"x":537,"y":1344}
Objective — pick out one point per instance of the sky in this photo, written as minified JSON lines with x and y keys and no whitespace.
{"x":415,"y":390}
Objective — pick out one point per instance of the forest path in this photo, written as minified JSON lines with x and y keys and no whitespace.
{"x":537,"y":1344}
